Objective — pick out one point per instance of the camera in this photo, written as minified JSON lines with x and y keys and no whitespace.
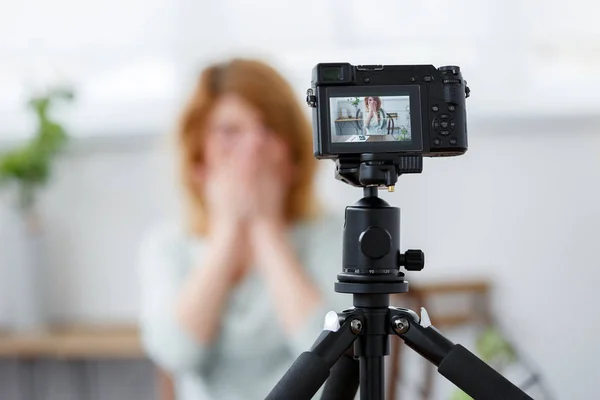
{"x":378,"y":122}
{"x":388,"y":111}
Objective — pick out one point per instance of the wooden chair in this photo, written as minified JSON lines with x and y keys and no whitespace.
{"x":477,"y":312}
{"x":390,"y":125}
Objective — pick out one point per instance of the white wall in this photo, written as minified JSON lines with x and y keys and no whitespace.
{"x":151,"y":54}
{"x":522,"y":206}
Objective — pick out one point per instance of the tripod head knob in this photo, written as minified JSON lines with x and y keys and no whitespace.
{"x":412,"y":260}
{"x":375,"y":242}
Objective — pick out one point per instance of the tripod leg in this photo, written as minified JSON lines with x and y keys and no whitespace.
{"x":311,"y":369}
{"x":454,"y":362}
{"x":344,"y":379}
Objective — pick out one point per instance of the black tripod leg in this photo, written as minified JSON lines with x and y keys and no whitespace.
{"x":454,"y":362}
{"x":311,"y":369}
{"x":344,"y":379}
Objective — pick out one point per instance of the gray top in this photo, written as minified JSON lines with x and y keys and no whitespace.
{"x":252,"y":352}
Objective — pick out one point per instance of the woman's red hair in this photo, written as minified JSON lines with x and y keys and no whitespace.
{"x":377,"y":102}
{"x":266,"y":90}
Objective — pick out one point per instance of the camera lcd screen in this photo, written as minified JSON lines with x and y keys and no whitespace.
{"x":370,"y":119}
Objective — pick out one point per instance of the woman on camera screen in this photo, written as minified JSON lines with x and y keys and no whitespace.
{"x":238,"y":288}
{"x":374,"y":118}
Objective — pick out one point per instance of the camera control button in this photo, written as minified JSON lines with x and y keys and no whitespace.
{"x":435,"y":108}
{"x":444,"y":124}
{"x":436,"y":124}
{"x":453,"y":141}
{"x":437,"y":141}
{"x":444,"y":133}
{"x":451,"y":108}
{"x":452,"y":125}
{"x":428,"y":78}
{"x":444,"y":116}
{"x":450,"y":68}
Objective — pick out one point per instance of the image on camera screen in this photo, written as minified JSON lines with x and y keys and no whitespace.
{"x":370,"y":119}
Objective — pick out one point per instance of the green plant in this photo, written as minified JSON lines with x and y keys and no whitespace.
{"x":29,"y":166}
{"x":403,"y":134}
{"x":355,"y":102}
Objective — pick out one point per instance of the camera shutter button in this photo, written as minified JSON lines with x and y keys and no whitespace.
{"x":375,"y":242}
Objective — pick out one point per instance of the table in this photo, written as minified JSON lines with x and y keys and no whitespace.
{"x":74,"y":342}
{"x":347,"y":126}
{"x":79,"y":346}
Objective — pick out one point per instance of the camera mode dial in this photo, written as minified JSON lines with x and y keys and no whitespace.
{"x":455,"y":70}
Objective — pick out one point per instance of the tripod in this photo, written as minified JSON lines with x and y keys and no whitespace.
{"x":371,"y":261}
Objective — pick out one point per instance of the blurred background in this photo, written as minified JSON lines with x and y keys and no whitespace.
{"x":514,"y":221}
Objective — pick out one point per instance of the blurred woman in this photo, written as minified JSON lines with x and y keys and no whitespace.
{"x":232,"y":295}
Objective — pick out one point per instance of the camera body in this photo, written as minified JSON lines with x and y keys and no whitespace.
{"x":388,"y":110}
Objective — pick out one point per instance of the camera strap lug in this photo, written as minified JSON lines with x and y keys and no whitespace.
{"x":311,"y":99}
